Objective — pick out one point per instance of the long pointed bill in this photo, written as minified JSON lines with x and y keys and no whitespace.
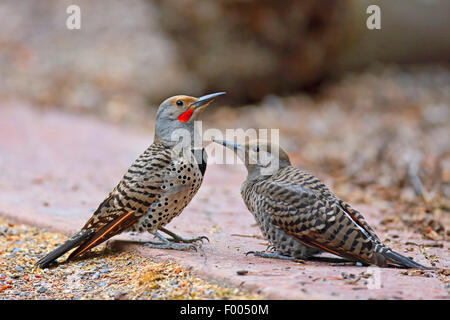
{"x":205,"y":99}
{"x":229,"y":144}
{"x":237,"y":148}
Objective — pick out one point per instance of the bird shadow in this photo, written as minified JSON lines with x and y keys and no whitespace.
{"x":115,"y":246}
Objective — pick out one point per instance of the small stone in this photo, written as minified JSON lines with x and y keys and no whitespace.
{"x":19,"y":268}
{"x":242,"y":272}
{"x":41,"y":290}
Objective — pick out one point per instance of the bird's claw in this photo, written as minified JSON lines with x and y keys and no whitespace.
{"x":201,"y":238}
{"x":171,"y":245}
{"x":183,"y":240}
{"x":177,"y":239}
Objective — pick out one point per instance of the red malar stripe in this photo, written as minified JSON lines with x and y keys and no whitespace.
{"x":184,"y":117}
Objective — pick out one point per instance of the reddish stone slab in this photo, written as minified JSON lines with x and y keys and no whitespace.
{"x":56,"y":168}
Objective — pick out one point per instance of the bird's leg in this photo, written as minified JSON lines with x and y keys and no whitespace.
{"x":177,"y":238}
{"x":273,"y":255}
{"x":167,"y":244}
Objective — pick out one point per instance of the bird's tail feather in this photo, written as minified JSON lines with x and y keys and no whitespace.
{"x":402,"y":261}
{"x":74,"y":241}
{"x":114,"y":227}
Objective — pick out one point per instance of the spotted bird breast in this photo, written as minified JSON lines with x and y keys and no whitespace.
{"x":181,"y":180}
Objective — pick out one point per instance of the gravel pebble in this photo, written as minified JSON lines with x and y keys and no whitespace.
{"x":41,"y":290}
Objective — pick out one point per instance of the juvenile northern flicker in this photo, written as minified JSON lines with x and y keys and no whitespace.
{"x":300,"y":216}
{"x":156,"y":187}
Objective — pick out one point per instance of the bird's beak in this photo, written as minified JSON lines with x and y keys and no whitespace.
{"x":229,"y":144}
{"x":237,"y":148}
{"x":205,"y":100}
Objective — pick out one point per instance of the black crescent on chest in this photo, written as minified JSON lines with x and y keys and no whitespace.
{"x":200,"y":156}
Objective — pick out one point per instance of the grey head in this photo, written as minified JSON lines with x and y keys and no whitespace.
{"x":262,"y":158}
{"x":176,"y":116}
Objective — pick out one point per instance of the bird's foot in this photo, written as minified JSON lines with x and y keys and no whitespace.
{"x":177,"y":239}
{"x":170,"y":245}
{"x":273,"y":255}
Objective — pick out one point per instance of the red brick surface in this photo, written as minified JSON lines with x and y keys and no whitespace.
{"x":56,"y":168}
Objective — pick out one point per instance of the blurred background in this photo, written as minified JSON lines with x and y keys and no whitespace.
{"x":366,"y":110}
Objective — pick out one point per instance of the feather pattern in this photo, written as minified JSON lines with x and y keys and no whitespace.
{"x":306,"y":210}
{"x":154,"y":190}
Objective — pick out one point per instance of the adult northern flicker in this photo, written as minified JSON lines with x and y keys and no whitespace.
{"x":300,"y":216}
{"x":156,"y":187}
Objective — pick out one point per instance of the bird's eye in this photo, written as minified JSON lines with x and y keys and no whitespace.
{"x":180,"y":103}
{"x":256,"y":149}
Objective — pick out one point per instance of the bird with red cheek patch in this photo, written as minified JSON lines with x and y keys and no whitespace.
{"x":179,"y":113}
{"x":155,"y":189}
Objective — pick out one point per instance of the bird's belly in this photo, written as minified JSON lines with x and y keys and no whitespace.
{"x":284,"y":243}
{"x":161,"y":213}
{"x":179,"y":187}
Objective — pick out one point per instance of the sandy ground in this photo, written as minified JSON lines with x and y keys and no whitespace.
{"x":104,"y":274}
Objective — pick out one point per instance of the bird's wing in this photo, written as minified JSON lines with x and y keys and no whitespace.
{"x":130,"y":199}
{"x":120,"y":223}
{"x":358,"y":218}
{"x":315,"y":219}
